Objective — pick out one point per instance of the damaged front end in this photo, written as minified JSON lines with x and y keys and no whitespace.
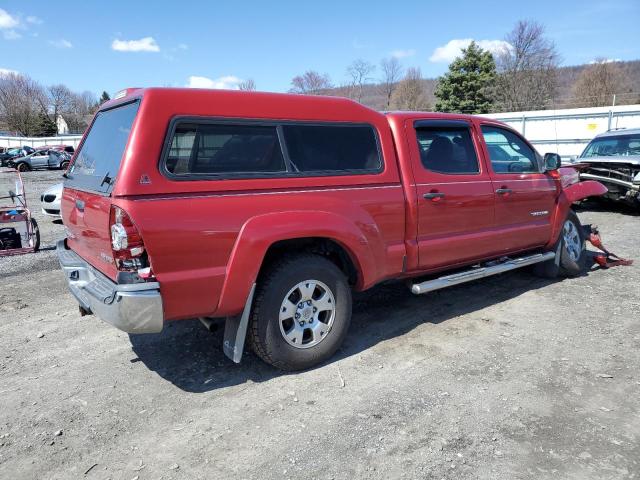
{"x":621,"y":177}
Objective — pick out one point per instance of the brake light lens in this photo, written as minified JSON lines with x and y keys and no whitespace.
{"x":127,"y":245}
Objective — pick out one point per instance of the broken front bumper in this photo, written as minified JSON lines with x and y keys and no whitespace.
{"x":133,"y":308}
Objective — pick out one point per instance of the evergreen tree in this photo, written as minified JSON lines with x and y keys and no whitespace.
{"x":468,"y":85}
{"x":44,"y":126}
{"x":104,"y":97}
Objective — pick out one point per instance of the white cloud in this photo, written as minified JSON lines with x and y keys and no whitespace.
{"x":183,"y":46}
{"x":11,"y":35}
{"x":604,"y":60}
{"x":403,"y":53}
{"x":62,"y":43}
{"x":228,"y":82}
{"x":7,"y":21}
{"x":146,"y":44}
{"x":448,"y":52}
{"x":34,"y":20}
{"x":7,"y":71}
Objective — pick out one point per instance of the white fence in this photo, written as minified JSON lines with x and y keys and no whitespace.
{"x":565,"y":132}
{"x":72,"y":140}
{"x":568,"y":131}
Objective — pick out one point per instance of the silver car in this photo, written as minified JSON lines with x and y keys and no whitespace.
{"x":42,"y":159}
{"x":613,"y":158}
{"x":50,"y":200}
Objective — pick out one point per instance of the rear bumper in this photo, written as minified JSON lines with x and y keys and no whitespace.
{"x":132,"y":308}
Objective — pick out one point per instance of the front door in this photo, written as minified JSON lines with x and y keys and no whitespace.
{"x":525,"y":196}
{"x":40,"y":159}
{"x":454,"y":194}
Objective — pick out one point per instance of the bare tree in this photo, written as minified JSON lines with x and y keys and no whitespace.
{"x":359,"y":72}
{"x":311,"y":83}
{"x":248,"y":85}
{"x":59,"y":98}
{"x":22,"y":103}
{"x":391,"y":75}
{"x":410,"y":93}
{"x":597,"y":84}
{"x":527,"y":69}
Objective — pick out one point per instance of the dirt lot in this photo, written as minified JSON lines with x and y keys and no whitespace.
{"x":507,"y":378}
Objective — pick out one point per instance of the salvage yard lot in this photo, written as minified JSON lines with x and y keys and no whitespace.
{"x":509,"y":377}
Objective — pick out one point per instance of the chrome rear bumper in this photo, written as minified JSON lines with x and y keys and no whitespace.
{"x":132,"y":308}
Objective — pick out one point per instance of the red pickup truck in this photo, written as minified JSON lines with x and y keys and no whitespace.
{"x":269,"y":209}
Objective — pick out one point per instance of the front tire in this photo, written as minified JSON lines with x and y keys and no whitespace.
{"x":301,"y":313}
{"x":571,"y":253}
{"x":23,"y":167}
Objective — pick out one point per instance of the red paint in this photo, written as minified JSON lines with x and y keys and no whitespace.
{"x":206,"y":239}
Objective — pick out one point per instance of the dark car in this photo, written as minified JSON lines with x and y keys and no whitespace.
{"x":13,"y":153}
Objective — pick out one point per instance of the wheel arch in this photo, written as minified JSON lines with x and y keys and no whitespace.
{"x":265,"y":238}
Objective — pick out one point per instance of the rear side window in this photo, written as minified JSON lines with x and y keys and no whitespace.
{"x":206,"y":149}
{"x":447,"y":150}
{"x":98,"y":161}
{"x":332,"y":148}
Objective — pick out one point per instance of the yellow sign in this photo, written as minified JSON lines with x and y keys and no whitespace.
{"x":592,"y":126}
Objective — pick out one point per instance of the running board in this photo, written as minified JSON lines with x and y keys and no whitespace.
{"x":492,"y":268}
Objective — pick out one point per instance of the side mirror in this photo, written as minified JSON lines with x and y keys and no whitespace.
{"x":552,"y":161}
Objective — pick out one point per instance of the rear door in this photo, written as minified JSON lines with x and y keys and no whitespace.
{"x":86,"y":201}
{"x":524,"y":195}
{"x":454,"y":192}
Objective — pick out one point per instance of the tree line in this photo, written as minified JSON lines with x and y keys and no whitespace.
{"x":523,"y":76}
{"x":28,"y":108}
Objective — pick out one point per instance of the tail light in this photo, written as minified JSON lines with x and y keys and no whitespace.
{"x":127,"y":245}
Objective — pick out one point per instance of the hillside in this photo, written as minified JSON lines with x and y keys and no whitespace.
{"x":564,"y":98}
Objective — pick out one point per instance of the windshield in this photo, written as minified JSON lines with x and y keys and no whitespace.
{"x":618,"y":145}
{"x":98,"y":160}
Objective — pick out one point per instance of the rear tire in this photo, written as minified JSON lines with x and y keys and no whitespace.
{"x":64,"y":165}
{"x":301,"y":313}
{"x":571,"y":253}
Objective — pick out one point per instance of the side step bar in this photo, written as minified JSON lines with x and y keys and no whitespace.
{"x":492,"y":268}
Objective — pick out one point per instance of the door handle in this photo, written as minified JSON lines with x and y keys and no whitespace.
{"x":433,"y":196}
{"x":504,"y":191}
{"x":80,"y":205}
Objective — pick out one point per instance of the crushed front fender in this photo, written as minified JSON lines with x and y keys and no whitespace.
{"x":579,"y":191}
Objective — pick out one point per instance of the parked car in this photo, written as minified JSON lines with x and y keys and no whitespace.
{"x":41,"y":159}
{"x":269,"y":209}
{"x":61,"y":148}
{"x":50,"y":200}
{"x":613,"y":158}
{"x":14,"y":153}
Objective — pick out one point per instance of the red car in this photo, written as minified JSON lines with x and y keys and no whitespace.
{"x":269,"y":209}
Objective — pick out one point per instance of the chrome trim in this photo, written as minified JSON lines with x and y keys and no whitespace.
{"x":616,"y":181}
{"x":481,"y":272}
{"x":132,"y":308}
{"x":277,"y":192}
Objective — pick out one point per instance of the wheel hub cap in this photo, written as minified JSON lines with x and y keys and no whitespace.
{"x":572,"y":241}
{"x":307,"y":314}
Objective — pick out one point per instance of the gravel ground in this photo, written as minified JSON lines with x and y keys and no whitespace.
{"x":512,"y":377}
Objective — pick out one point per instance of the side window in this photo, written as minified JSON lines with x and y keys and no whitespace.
{"x":447,"y":150}
{"x":508,"y":152}
{"x":332,"y":148}
{"x":207,"y":149}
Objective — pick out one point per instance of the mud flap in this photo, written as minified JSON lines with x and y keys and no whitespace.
{"x":235,"y":330}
